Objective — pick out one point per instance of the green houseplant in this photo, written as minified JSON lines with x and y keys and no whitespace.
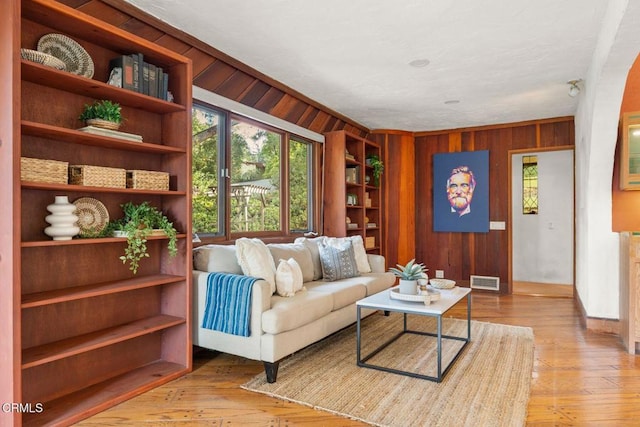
{"x":374,"y":161}
{"x":138,"y":223}
{"x":409,"y":275}
{"x":103,"y":113}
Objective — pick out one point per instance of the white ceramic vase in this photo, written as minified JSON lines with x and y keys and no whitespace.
{"x":63,"y":220}
{"x":408,"y":287}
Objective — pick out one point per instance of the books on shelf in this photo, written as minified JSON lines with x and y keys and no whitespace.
{"x":352,"y":226}
{"x":372,"y":225}
{"x":111,"y":133}
{"x":141,"y":76}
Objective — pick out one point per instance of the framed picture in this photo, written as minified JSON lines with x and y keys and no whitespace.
{"x":461,"y":192}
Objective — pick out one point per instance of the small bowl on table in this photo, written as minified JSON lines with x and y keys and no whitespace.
{"x":442,"y":283}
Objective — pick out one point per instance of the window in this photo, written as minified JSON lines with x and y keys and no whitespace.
{"x":255,"y":178}
{"x":206,"y":166}
{"x":530,"y":185}
{"x":244,"y":183}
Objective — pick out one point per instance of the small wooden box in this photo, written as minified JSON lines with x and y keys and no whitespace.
{"x":97,"y":176}
{"x":369,"y":242}
{"x":148,"y":180}
{"x":42,"y":170}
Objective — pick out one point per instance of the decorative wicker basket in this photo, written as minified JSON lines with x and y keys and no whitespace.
{"x":147,"y":180}
{"x":42,"y":170}
{"x":103,"y":124}
{"x":97,"y":176}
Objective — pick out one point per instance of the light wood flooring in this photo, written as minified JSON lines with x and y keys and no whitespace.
{"x":580,"y":378}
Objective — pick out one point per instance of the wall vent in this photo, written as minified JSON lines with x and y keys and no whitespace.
{"x":485,"y":282}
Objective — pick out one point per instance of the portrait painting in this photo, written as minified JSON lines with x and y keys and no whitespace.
{"x":461,"y":192}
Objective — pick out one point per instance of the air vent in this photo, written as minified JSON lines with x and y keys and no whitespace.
{"x":485,"y":282}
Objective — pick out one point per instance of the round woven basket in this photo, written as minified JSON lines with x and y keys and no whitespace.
{"x":104,"y":124}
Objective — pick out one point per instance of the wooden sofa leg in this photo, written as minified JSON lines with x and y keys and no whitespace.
{"x":271,"y":369}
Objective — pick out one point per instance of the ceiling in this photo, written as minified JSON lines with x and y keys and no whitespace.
{"x":490,"y":61}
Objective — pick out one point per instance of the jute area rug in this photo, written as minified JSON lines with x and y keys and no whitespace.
{"x":487,"y":386}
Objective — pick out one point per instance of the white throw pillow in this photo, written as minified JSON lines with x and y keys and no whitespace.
{"x":312,"y":245}
{"x":216,"y":258}
{"x":297,"y":251}
{"x":362,"y":261}
{"x":288,"y":278}
{"x":255,"y":260}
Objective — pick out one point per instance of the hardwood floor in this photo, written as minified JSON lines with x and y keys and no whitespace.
{"x":580,"y":378}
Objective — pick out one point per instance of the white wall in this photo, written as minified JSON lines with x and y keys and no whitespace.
{"x":596,"y":121}
{"x":542,"y":244}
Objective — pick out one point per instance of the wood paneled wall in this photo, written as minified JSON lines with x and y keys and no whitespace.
{"x":626,"y":204}
{"x":220,"y":73}
{"x":458,"y":254}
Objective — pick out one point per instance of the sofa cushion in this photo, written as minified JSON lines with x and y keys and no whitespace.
{"x":344,"y":292}
{"x":338,"y":260}
{"x":377,"y":282}
{"x":288,"y":278}
{"x":312,"y":245}
{"x":216,"y":258}
{"x":297,"y":251}
{"x":287,"y":314}
{"x":255,"y":260}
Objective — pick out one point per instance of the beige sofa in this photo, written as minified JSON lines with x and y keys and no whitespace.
{"x":281,"y":325}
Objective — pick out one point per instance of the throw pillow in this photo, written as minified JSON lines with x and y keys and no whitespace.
{"x":255,"y":260}
{"x":288,"y":278}
{"x":312,"y":245}
{"x":297,"y":251}
{"x":362,"y":261}
{"x":216,"y":258}
{"x":338,"y":260}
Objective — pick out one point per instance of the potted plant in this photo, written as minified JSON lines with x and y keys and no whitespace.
{"x":140,"y":222}
{"x":409,"y":275}
{"x":374,"y":161}
{"x":105,"y":114}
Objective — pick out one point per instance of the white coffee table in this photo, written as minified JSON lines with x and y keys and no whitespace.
{"x":382,"y":301}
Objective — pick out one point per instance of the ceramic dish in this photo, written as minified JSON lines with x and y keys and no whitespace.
{"x":75,"y":58}
{"x":42,"y":58}
{"x":92,"y":215}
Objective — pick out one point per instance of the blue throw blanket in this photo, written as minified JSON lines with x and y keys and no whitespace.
{"x":228,"y":303}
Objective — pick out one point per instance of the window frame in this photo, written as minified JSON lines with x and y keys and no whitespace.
{"x":313,"y":171}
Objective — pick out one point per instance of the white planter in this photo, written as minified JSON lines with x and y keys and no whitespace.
{"x":408,"y":287}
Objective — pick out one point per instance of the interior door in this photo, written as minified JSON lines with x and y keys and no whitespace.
{"x":543,"y":242}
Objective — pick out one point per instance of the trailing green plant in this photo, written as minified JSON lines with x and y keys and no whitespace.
{"x":411,"y":271}
{"x":138,"y":223}
{"x":105,"y":110}
{"x":374,"y":161}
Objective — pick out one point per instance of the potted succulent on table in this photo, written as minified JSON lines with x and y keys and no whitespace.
{"x":140,"y":222}
{"x":409,"y":275}
{"x":374,"y":161}
{"x":103,"y":114}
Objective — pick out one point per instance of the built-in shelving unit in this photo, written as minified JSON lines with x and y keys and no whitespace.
{"x":352,"y":198}
{"x":92,"y":333}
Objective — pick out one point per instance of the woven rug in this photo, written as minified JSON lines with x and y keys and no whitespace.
{"x":487,"y":386}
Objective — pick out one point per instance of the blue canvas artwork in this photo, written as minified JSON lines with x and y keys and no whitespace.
{"x":461,"y":192}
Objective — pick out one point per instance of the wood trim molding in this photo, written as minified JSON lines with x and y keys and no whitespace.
{"x":495,"y":126}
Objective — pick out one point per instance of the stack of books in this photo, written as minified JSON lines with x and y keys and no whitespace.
{"x":111,"y":133}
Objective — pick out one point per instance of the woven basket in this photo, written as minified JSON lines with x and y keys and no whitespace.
{"x":103,"y":124}
{"x":369,"y":242}
{"x":97,"y":176}
{"x":41,"y":170}
{"x":147,"y":180}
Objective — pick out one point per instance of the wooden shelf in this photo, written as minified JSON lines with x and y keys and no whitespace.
{"x":47,"y":353}
{"x":89,"y":189}
{"x":93,"y":399}
{"x":79,"y":292}
{"x":80,"y":85}
{"x":79,"y":137}
{"x":100,"y":240}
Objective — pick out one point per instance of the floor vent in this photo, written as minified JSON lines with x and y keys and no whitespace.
{"x":485,"y":282}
